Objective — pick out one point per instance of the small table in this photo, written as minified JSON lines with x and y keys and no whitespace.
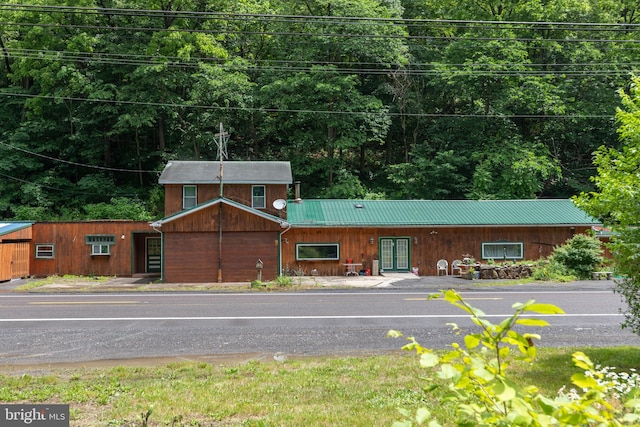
{"x":351,"y":269}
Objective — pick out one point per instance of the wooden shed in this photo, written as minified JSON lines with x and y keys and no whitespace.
{"x":15,"y":241}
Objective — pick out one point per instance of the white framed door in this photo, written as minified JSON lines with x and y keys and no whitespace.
{"x":395,"y":253}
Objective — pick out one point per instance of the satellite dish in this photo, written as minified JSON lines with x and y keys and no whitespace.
{"x":279,"y":204}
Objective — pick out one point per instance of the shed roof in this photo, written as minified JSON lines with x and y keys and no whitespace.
{"x":241,"y":172}
{"x":414,"y":213}
{"x":10,"y":227}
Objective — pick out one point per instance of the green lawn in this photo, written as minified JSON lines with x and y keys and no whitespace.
{"x":348,"y":391}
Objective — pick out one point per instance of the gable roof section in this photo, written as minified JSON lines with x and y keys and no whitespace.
{"x":202,"y":172}
{"x":158,"y":224}
{"x":415,"y":213}
{"x":10,"y":227}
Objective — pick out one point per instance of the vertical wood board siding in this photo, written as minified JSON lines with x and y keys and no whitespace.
{"x":73,"y":254}
{"x":427,"y":245}
{"x":240,"y":193}
{"x":194,"y":257}
{"x":14,"y":260}
{"x":207,"y":220}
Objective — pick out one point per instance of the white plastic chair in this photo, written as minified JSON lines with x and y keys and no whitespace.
{"x":442,"y":265}
{"x":455,"y":265}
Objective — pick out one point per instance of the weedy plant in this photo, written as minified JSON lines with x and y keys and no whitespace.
{"x":479,"y":387}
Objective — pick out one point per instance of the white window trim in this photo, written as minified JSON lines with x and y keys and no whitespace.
{"x":185,"y":198}
{"x":299,"y":245}
{"x":485,"y":244}
{"x":263,"y":197}
{"x":40,"y":250}
{"x":97,"y":249}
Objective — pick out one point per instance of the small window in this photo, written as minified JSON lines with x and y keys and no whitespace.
{"x":189,"y":196}
{"x":44,"y":251}
{"x":100,"y":249}
{"x":258,"y":197}
{"x":317,"y":251}
{"x":502,"y":250}
{"x":100,"y":243}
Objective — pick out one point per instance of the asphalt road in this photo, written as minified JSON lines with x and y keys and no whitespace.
{"x":54,"y":328}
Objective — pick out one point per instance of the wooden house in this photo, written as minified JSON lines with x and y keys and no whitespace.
{"x":232,"y":222}
{"x":224,"y":222}
{"x":413,"y":235}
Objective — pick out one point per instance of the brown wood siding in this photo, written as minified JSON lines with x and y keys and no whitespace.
{"x":24,"y":234}
{"x":6,"y":257}
{"x":207,"y":219}
{"x":21,"y":258}
{"x":427,"y":245}
{"x":14,"y":260}
{"x":193,"y":257}
{"x":240,"y":193}
{"x":73,"y":256}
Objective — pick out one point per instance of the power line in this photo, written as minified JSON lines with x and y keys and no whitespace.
{"x":128,"y":12}
{"x":227,"y":31}
{"x":70,"y":191}
{"x":307,"y":111}
{"x":75,"y":163}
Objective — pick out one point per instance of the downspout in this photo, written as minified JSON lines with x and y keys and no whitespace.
{"x":161,"y":250}
{"x":280,"y":245}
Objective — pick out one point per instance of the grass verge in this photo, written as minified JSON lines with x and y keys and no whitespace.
{"x":353,"y":391}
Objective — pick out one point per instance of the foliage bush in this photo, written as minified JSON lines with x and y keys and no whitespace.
{"x":552,"y":271}
{"x":483,"y":394}
{"x":283,"y":281}
{"x":581,"y":255}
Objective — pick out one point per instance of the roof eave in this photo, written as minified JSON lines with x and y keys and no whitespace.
{"x":159,"y":223}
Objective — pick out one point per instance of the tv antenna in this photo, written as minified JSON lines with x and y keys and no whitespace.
{"x":222,"y":138}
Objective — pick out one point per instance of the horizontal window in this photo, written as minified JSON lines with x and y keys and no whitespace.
{"x":502,"y":250}
{"x":317,"y":251}
{"x":100,"y":249}
{"x":105,"y":239}
{"x":44,"y":251}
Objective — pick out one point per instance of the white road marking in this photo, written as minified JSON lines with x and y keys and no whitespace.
{"x":226,"y":318}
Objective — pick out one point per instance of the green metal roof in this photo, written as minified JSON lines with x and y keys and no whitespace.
{"x":414,"y":213}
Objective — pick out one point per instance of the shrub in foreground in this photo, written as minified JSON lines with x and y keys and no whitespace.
{"x":479,"y":386}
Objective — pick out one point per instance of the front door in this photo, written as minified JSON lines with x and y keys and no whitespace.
{"x":154,"y":254}
{"x":394,"y":253}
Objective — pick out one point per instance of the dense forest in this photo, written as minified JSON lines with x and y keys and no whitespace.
{"x":396,"y":99}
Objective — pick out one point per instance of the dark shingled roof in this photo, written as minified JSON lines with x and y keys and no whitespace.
{"x":203,"y":172}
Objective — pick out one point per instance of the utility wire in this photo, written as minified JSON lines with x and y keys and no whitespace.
{"x":75,"y":163}
{"x":227,"y":31}
{"x":71,"y":191}
{"x":127,"y":12}
{"x":306,"y":111}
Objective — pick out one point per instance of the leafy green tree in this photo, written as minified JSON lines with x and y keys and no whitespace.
{"x":617,"y":201}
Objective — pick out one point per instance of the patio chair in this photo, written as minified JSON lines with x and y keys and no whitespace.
{"x":455,"y":265}
{"x":442,"y":265}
